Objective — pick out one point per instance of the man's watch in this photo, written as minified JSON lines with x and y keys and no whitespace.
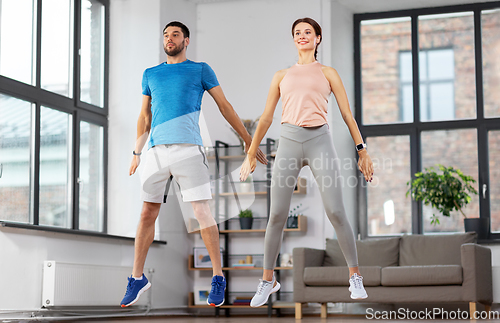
{"x":136,"y":154}
{"x":361,"y":146}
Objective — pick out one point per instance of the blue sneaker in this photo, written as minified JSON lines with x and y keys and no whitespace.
{"x":135,"y":288}
{"x":216,"y":296}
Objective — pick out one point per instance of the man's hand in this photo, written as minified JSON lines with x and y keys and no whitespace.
{"x":136,"y":160}
{"x":261,"y":157}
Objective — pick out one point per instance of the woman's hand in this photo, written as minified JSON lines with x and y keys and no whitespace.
{"x":248,"y":167}
{"x":365,"y":165}
{"x":136,"y":160}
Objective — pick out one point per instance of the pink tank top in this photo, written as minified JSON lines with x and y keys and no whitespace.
{"x":304,"y":93}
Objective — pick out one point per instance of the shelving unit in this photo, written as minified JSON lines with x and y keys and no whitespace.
{"x":225,"y":190}
{"x":275,"y":305}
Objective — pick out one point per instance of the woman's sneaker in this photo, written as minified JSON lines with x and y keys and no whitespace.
{"x":135,"y":288}
{"x":216,"y":295}
{"x":356,"y":287}
{"x":264,"y":289}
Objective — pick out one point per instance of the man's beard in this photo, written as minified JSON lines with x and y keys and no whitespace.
{"x":174,"y":50}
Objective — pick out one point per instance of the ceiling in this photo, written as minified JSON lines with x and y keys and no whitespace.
{"x":362,"y":6}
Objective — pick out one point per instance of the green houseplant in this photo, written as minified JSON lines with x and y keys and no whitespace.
{"x":246,"y":219}
{"x":446,"y":192}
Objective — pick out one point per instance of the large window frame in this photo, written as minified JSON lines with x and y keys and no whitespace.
{"x":415,"y":128}
{"x":79,"y":110}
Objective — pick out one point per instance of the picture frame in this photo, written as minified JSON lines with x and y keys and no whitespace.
{"x":201,"y":295}
{"x":202,"y":259}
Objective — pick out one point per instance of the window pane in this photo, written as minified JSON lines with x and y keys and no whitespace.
{"x":441,"y":66}
{"x":55,"y":170}
{"x":491,"y":62}
{"x":494,"y":189}
{"x":15,"y":133}
{"x":448,"y":40}
{"x":57,"y":46}
{"x":458,"y":149}
{"x":389,"y":210}
{"x":441,"y":101}
{"x":382,"y":44}
{"x":91,"y":177}
{"x":92,"y":53}
{"x":16,"y":48}
{"x":407,"y":103}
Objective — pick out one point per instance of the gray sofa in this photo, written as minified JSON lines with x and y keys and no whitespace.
{"x":408,"y":269}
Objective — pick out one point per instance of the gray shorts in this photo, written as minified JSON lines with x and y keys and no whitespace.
{"x":188,"y":165}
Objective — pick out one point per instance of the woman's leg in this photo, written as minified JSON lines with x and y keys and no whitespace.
{"x":285,"y":171}
{"x":325,"y":166}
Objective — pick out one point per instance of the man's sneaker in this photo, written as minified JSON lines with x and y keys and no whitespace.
{"x":216,"y":296}
{"x":264,"y":289}
{"x":135,"y":288}
{"x":356,"y":287}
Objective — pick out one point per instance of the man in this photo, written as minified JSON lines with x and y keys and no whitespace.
{"x":171,"y":103}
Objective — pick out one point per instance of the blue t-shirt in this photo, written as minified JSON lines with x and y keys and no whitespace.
{"x":176,"y":91}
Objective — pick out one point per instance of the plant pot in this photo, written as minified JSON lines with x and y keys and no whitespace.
{"x":479,"y":225}
{"x":246,"y":223}
{"x":245,"y":187}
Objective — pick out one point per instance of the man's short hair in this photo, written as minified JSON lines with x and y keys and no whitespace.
{"x":184,"y":28}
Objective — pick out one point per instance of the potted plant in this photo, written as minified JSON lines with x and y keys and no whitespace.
{"x":246,"y":219}
{"x":246,"y":186}
{"x":447,"y":192}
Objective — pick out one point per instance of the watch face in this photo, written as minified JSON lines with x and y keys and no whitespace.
{"x":360,"y":146}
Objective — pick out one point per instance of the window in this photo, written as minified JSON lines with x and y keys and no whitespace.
{"x":15,"y":147}
{"x":383,"y":39}
{"x":436,"y":85}
{"x":445,"y":97}
{"x":17,"y":48}
{"x":53,"y":113}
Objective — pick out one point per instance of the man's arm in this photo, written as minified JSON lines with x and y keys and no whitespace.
{"x":143,"y":128}
{"x":234,"y":120}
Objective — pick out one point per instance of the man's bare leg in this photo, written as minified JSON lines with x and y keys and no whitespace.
{"x":145,"y":236}
{"x":209,"y":233}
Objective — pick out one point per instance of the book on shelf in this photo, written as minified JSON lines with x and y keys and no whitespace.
{"x":244,"y":265}
{"x":242,"y":302}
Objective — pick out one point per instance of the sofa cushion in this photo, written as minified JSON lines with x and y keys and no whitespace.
{"x":422,"y":275}
{"x":440,"y":249}
{"x":339,"y":276}
{"x":372,"y":252}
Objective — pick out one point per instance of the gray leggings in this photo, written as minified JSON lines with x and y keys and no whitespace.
{"x":299,"y":147}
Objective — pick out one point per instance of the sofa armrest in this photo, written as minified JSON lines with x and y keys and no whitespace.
{"x":477,"y":271}
{"x":302,"y":258}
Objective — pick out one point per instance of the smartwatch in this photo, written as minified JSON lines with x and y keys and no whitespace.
{"x":136,"y":154}
{"x":361,"y":146}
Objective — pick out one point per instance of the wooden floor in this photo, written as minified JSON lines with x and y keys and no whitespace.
{"x":263,"y":319}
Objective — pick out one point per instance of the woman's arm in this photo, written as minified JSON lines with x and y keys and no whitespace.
{"x":365,"y":164}
{"x":265,"y":122}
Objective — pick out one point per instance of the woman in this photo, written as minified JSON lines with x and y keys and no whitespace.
{"x":306,"y":140}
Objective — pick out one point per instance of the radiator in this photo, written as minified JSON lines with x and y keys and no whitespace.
{"x":66,"y":284}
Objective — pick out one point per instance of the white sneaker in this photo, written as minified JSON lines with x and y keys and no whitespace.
{"x":356,"y":287}
{"x":264,"y":289}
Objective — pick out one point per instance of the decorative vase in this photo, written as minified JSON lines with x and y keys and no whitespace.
{"x":246,"y":223}
{"x":479,"y":225}
{"x":292,"y":222}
